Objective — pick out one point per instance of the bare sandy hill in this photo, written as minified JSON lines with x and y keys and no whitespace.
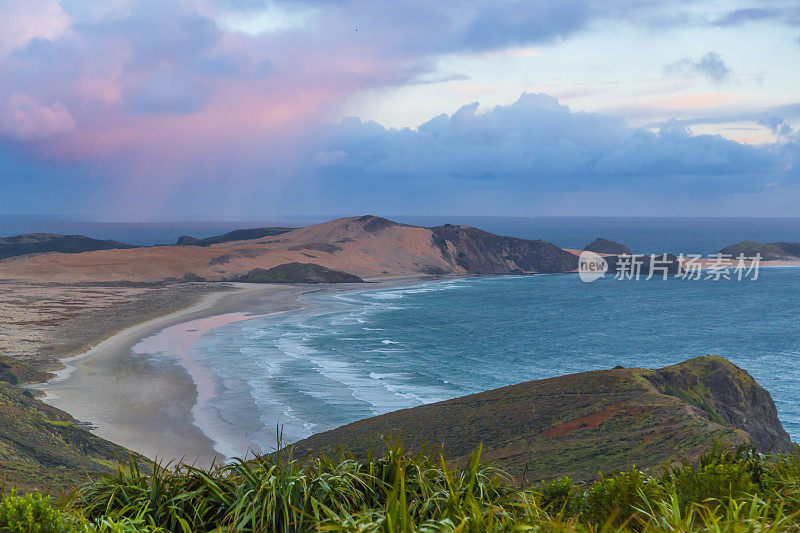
{"x":366,"y":246}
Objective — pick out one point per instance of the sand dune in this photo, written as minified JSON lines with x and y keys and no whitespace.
{"x":369,"y":247}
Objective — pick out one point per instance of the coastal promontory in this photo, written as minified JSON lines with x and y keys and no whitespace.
{"x":579,"y":424}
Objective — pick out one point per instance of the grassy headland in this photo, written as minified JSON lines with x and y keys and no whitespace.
{"x":580,"y":424}
{"x":667,"y":437}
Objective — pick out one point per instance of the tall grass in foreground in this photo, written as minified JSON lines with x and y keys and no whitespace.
{"x":726,"y":490}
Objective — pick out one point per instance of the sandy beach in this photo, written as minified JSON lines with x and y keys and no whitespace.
{"x":145,"y":405}
{"x":151,"y":404}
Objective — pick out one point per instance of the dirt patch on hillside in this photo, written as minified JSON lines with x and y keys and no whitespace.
{"x":590,"y":421}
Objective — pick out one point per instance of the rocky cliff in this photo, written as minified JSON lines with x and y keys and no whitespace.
{"x":481,"y":252}
{"x":727,"y":395}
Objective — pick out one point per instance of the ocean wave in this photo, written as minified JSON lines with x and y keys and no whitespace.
{"x":293,"y":345}
{"x":399,"y":293}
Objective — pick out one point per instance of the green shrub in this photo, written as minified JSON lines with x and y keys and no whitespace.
{"x":560,"y":497}
{"x":717,"y":482}
{"x":32,"y":513}
{"x":784,"y":479}
{"x":724,"y":490}
{"x":192,"y":277}
{"x":720,"y":475}
{"x":616,"y":500}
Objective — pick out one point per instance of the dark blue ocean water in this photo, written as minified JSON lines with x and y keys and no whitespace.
{"x":358,"y":354}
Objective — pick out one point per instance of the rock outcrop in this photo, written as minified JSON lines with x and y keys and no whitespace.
{"x":726,"y":395}
{"x":604,"y":246}
{"x":774,"y":251}
{"x":188,"y":240}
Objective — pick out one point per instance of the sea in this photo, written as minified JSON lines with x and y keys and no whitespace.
{"x":348,"y":355}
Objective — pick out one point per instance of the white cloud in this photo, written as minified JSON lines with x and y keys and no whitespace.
{"x":22,"y":21}
{"x":536,"y":144}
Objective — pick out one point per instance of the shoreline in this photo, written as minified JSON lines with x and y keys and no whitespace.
{"x":143,"y":404}
{"x":151,"y":403}
{"x":206,"y":302}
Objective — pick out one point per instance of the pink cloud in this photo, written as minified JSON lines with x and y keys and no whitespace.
{"x":24,"y":118}
{"x":130,"y":89}
{"x":162,"y":81}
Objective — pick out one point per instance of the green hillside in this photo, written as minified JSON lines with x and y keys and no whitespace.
{"x":15,"y":372}
{"x":235,"y":235}
{"x":37,"y":243}
{"x":298,"y":273}
{"x":580,"y":424}
{"x":43,"y":447}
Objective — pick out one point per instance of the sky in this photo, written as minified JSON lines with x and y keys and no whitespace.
{"x":141,"y":110}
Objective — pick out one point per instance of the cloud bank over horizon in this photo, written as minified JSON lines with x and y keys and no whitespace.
{"x":141,"y":109}
{"x":537,"y":146}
